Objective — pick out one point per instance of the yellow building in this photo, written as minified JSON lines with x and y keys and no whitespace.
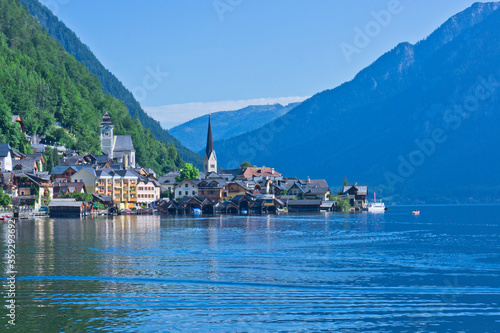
{"x":121,"y":185}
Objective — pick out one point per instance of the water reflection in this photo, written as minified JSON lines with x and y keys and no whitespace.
{"x":330,"y":272}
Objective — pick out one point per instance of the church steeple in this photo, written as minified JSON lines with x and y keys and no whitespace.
{"x":210,"y":141}
{"x":210,"y":164}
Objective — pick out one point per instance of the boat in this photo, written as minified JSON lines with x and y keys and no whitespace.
{"x":196,"y":211}
{"x":416,"y":212}
{"x":375,"y":207}
{"x":126,"y":211}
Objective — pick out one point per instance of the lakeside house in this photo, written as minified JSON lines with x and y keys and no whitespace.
{"x":357,"y":194}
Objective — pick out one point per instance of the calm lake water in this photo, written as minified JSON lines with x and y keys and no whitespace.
{"x":394,"y":272}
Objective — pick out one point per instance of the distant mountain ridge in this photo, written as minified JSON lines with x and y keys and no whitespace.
{"x":72,"y":44}
{"x":227,"y":124}
{"x":369,"y":129}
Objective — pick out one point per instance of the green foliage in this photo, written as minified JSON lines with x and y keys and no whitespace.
{"x":52,"y":158}
{"x":188,"y":172}
{"x":46,"y":197}
{"x":343,"y":203}
{"x":78,"y":196}
{"x":41,"y":82}
{"x":4,"y":199}
{"x":245,"y":165}
{"x":60,"y":136}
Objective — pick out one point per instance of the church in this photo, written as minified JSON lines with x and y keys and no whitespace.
{"x":210,"y":160}
{"x":119,"y":148}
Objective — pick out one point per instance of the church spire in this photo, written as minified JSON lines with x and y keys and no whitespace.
{"x":210,"y":164}
{"x":210,"y":141}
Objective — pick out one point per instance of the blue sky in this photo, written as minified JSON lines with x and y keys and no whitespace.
{"x":184,"y":58}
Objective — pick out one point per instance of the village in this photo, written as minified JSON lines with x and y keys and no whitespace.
{"x":113,"y":183}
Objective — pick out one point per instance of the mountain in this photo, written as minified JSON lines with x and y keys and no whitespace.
{"x":419,"y":124}
{"x":227,"y":124}
{"x":110,"y":83}
{"x":57,"y":96}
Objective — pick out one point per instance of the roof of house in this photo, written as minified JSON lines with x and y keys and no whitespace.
{"x":233,"y":172}
{"x":328,"y":204}
{"x":116,"y":166}
{"x":4,"y":149}
{"x":26,"y":165}
{"x":68,"y":153}
{"x":17,"y":154}
{"x":317,"y":190}
{"x":314,"y":183}
{"x":260,"y":172}
{"x":169,"y":178}
{"x":147,"y":180}
{"x":72,"y":160}
{"x":103,"y":198}
{"x":129,"y":173}
{"x":123,"y":143}
{"x":38,"y":147}
{"x":297,"y":185}
{"x":61,"y":169}
{"x":37,"y":157}
{"x":362,"y":189}
{"x":61,"y":203}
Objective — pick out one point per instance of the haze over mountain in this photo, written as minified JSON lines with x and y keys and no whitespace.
{"x":421,"y":122}
{"x":112,"y":85}
{"x":227,"y":124}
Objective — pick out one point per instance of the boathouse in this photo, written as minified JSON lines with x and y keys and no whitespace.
{"x":68,"y":208}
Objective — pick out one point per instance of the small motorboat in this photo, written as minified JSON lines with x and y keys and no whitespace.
{"x":196,"y":211}
{"x":416,"y":212}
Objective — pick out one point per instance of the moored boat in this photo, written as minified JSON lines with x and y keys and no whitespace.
{"x":375,"y":207}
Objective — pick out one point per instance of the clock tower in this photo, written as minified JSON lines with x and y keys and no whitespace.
{"x":107,"y":137}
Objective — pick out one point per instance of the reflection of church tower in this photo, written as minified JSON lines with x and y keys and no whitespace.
{"x":210,"y":158}
{"x":107,"y":137}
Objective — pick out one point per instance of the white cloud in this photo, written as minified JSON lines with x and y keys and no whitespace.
{"x":172,"y":115}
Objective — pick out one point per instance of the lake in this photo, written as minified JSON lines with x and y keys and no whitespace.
{"x":392,"y":272}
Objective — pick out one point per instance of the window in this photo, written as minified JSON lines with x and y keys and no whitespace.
{"x":194,"y":193}
{"x":187,"y":193}
{"x":186,"y":185}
